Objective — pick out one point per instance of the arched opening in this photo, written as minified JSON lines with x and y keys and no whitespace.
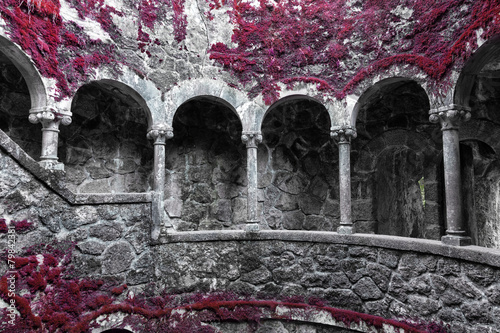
{"x":479,"y":87}
{"x":15,"y":104}
{"x":298,"y":167}
{"x":205,"y":186}
{"x":117,"y":330}
{"x":105,"y":148}
{"x":396,"y":187}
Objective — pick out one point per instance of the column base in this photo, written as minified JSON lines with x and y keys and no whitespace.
{"x":51,"y":165}
{"x":252,"y":227}
{"x":456,"y":240}
{"x":346,"y":230}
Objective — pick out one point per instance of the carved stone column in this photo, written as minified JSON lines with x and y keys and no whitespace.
{"x":252,"y":140}
{"x":343,"y":135}
{"x":159,"y":133}
{"x":50,"y":119}
{"x":450,"y":118}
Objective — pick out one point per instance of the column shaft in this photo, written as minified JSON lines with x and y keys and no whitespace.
{"x":159,"y":135}
{"x":252,"y":139}
{"x":450,"y":118}
{"x":452,"y":180}
{"x":343,"y":135}
{"x":345,"y":185}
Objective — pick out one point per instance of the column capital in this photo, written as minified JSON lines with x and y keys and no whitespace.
{"x":159,"y":133}
{"x":251,"y":139}
{"x":343,"y":134}
{"x":449,"y":116}
{"x":49,"y":115}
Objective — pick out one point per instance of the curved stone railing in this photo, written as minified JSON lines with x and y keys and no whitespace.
{"x":392,"y":277}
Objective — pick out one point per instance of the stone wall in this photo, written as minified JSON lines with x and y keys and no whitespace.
{"x":387,"y":282}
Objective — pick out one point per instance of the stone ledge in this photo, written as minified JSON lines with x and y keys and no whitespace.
{"x":54,"y":179}
{"x":471,"y":253}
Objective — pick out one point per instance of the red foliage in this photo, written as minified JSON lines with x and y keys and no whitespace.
{"x":326,"y":40}
{"x":3,"y":226}
{"x":119,"y":290}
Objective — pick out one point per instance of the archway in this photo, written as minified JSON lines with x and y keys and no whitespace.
{"x":205,"y":185}
{"x":298,"y":167}
{"x":105,"y":149}
{"x":395,"y":181}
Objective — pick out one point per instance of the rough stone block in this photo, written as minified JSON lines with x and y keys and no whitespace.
{"x":117,"y":258}
{"x":366,"y":289}
{"x":293,"y":220}
{"x":173,"y":207}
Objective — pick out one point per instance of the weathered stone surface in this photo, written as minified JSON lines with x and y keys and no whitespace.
{"x":424,"y":305}
{"x":258,"y":276}
{"x":78,"y":217}
{"x":117,"y":258}
{"x":293,"y":220}
{"x":91,"y":247}
{"x":107,"y":231}
{"x":366,"y":289}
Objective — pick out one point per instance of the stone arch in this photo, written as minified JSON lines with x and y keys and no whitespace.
{"x":376,"y":87}
{"x":205,"y":186}
{"x":23,"y":63}
{"x":383,"y":77}
{"x":289,"y":96}
{"x":22,"y":91}
{"x":218,"y":91}
{"x":105,"y":148}
{"x":394,"y":133}
{"x":297,"y":160}
{"x":472,"y":68}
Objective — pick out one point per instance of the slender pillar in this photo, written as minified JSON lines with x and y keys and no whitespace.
{"x":50,"y":119}
{"x":450,"y":117}
{"x":252,"y":140}
{"x":159,"y":134}
{"x":343,"y":135}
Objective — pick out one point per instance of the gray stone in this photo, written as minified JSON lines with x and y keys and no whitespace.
{"x":477,"y":312}
{"x":293,"y":220}
{"x":424,"y":305}
{"x":173,"y":207}
{"x":107,"y":231}
{"x":287,"y":202}
{"x":367,"y":289}
{"x":201,"y":193}
{"x":274,"y":218}
{"x":193,"y":211}
{"x":239,"y":212}
{"x":287,"y":274}
{"x":493,"y":294}
{"x":292,"y":183}
{"x":121,"y":165}
{"x":117,"y":258}
{"x":260,"y":275}
{"x":343,"y":298}
{"x":91,"y":247}
{"x":388,"y":258}
{"x":138,"y":237}
{"x":222,"y":210}
{"x":97,"y":170}
{"x":79,"y":216}
{"x":316,"y":222}
{"x":310,"y":204}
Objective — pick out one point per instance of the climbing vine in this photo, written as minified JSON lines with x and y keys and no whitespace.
{"x":337,"y":44}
